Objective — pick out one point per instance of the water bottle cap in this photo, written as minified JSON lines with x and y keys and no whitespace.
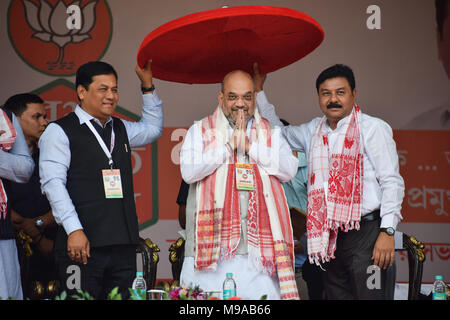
{"x":438,"y":277}
{"x":139,"y":274}
{"x":229,"y":274}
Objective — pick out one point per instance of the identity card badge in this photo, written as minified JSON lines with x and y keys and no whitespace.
{"x":244,"y":176}
{"x":112,"y":183}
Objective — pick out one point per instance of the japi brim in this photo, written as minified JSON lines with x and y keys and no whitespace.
{"x":203,"y":47}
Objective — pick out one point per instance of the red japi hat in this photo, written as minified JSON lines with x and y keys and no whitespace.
{"x":203,"y":47}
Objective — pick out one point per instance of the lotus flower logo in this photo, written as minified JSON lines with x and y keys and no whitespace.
{"x":61,"y":24}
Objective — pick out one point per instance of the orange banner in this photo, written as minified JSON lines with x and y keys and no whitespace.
{"x":425,"y":166}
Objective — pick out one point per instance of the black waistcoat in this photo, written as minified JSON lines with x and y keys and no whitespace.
{"x":105,"y":221}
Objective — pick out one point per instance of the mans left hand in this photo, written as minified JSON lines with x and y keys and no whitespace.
{"x":384,"y":251}
{"x":145,"y":75}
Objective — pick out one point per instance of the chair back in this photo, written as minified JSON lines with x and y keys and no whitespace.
{"x":150,"y":258}
{"x":416,"y":258}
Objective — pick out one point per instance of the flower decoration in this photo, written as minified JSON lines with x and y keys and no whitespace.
{"x":184,"y":293}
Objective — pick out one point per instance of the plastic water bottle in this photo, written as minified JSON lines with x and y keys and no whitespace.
{"x":229,"y":287}
{"x":439,"y":289}
{"x":139,"y":286}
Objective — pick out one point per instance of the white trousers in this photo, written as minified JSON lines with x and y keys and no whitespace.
{"x":250,"y":283}
{"x":10,"y":283}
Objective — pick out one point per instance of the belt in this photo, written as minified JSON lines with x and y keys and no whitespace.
{"x":374,"y":215}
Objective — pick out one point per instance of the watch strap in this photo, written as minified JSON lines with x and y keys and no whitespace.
{"x":39,"y":223}
{"x":390,"y":231}
{"x":148,"y":89}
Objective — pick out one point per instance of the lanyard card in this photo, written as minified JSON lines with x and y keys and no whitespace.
{"x":244,"y":176}
{"x":112,"y":183}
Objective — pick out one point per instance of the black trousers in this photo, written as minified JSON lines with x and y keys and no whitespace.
{"x":350,"y":276}
{"x":107,"y":268}
{"x":313,"y":276}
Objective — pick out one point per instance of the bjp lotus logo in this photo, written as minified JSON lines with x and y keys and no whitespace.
{"x":51,"y":24}
{"x":57,"y":36}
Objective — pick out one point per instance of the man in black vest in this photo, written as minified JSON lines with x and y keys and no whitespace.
{"x":86,"y":173}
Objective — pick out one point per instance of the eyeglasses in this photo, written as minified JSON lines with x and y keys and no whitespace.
{"x":248,"y":97}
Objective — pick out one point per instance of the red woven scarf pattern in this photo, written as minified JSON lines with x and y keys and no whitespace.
{"x":342,"y":170}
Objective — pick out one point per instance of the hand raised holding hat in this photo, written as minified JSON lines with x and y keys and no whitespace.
{"x":145,"y":74}
{"x":258,"y":78}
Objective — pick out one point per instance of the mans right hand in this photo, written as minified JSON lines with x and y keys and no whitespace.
{"x":78,"y":247}
{"x":258,"y":78}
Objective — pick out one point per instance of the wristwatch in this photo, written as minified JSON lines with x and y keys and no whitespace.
{"x":39,"y":223}
{"x":148,"y":89}
{"x":390,"y":231}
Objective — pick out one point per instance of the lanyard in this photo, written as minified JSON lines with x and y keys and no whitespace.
{"x":100,"y":140}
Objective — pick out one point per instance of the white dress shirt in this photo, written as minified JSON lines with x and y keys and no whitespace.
{"x":55,"y":157}
{"x":383,"y":187}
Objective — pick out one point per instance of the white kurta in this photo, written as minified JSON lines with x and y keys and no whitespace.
{"x":250,"y":283}
{"x":10,"y":283}
{"x":195,"y":165}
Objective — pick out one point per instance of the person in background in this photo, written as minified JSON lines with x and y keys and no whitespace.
{"x":30,"y":209}
{"x":181,"y":201}
{"x":16,"y":165}
{"x":438,"y":118}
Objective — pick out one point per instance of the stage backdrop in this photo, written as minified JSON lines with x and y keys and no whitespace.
{"x":391,"y":46}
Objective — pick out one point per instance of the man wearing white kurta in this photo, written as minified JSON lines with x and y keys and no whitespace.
{"x":233,"y":134}
{"x":355,"y":190}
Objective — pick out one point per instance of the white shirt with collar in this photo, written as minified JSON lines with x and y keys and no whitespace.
{"x":383,"y":186}
{"x":54,"y":158}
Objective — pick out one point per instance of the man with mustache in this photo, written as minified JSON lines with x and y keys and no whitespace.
{"x":355,"y":190}
{"x":237,"y":219}
{"x":86,"y":174}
